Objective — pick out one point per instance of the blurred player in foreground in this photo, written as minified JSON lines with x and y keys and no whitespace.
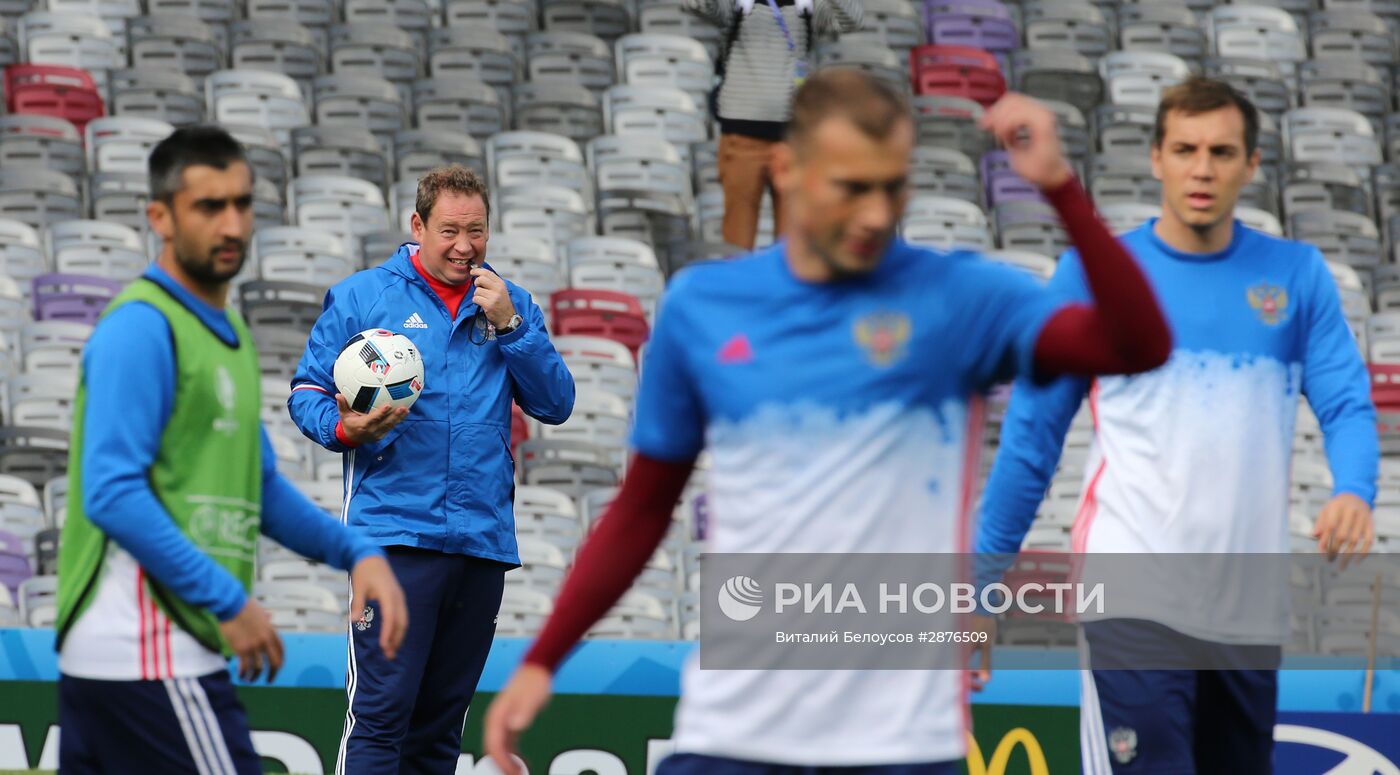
{"x":833,"y":378}
{"x":171,"y":479}
{"x":1194,"y":457}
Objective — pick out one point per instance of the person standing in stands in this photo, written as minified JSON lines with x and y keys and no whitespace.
{"x":171,"y":480}
{"x":434,"y":486}
{"x":765,"y":58}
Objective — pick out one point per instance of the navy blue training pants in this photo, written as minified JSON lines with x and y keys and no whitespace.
{"x":406,"y":715}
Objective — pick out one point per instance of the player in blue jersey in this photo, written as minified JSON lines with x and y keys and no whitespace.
{"x":1194,"y":457}
{"x":833,"y":378}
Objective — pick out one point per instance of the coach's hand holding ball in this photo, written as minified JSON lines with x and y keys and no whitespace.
{"x":1026,"y":129}
{"x":371,"y":426}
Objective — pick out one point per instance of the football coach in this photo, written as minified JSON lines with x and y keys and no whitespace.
{"x":433,"y":485}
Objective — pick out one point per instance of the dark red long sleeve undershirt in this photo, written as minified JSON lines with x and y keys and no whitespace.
{"x":1123,"y":331}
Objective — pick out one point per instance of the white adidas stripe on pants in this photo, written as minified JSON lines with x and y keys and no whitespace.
{"x":350,"y":673}
{"x":200,"y":726}
{"x":1093,"y":744}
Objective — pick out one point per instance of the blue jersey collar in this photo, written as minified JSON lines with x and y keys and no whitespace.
{"x":1236,"y":236}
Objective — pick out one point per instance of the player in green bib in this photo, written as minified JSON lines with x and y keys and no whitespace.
{"x":171,"y":480}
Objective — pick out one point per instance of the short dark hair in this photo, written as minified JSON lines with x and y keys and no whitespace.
{"x":454,"y":179}
{"x":872,"y":104}
{"x":1199,"y":94}
{"x":208,"y":146}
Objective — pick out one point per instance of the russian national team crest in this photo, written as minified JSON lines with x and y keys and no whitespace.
{"x":1270,"y":303}
{"x":1122,"y":742}
{"x":884,"y":336}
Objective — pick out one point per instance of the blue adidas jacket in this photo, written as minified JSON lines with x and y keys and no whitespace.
{"x":443,"y":479}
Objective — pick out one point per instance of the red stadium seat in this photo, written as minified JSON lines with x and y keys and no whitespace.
{"x":608,"y":314}
{"x":957,"y":71}
{"x":52,"y":90}
{"x":1385,"y":385}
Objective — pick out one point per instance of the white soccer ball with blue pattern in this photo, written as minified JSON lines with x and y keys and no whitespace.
{"x":379,"y":367}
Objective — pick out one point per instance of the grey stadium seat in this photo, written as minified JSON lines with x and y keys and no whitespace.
{"x":156,"y":93}
{"x":181,"y":44}
{"x":38,"y":196}
{"x":339,"y":150}
{"x":607,"y":19}
{"x":945,"y":172}
{"x":375,"y":51}
{"x":120,"y":197}
{"x":585,"y":59}
{"x":950,"y":122}
{"x":1124,"y":128}
{"x":368,"y":102}
{"x":279,"y":46}
{"x":1058,"y":74}
{"x":1326,"y":186}
{"x":1164,"y":27}
{"x":458,"y":105}
{"x":416,"y":151}
{"x":481,"y":54}
{"x":412,"y":16}
{"x":1115,"y":178}
{"x":49,"y":142}
{"x":1258,"y":79}
{"x":1352,"y":34}
{"x":264,"y":152}
{"x":559,"y":106}
{"x":1347,"y":238}
{"x":1067,"y":24}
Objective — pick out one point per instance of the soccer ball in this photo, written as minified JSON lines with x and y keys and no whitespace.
{"x":379,"y":367}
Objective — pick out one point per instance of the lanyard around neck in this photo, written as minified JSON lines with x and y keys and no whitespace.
{"x":778,"y":16}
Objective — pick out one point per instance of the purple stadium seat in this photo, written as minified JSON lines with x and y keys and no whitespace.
{"x":14,"y":562}
{"x":1002,"y":183}
{"x":984,"y":24}
{"x":73,"y":297}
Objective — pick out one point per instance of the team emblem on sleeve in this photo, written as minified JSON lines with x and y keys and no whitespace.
{"x":1270,"y":302}
{"x":883,"y":336}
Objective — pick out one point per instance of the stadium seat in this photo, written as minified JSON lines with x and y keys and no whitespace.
{"x":1259,"y":79}
{"x":180,"y":44}
{"x":417,"y":151}
{"x":982,"y":24}
{"x":528,"y":261}
{"x":513,"y":18}
{"x":615,"y":264}
{"x":669,"y":17}
{"x":53,"y":90}
{"x":607,"y":19}
{"x":1058,"y":74}
{"x":950,"y":122}
{"x":415,"y":17}
{"x":344,"y":151}
{"x":1067,"y":24}
{"x":375,"y":51}
{"x":1344,"y":83}
{"x":1030,"y":226}
{"x":1326,"y":186}
{"x":277,"y":45}
{"x":301,"y":571}
{"x":298,"y":255}
{"x":218,"y":14}
{"x":78,"y":298}
{"x":32,"y":140}
{"x":459,"y":104}
{"x":1259,"y":220}
{"x":572,"y":56}
{"x":523,"y":610}
{"x":956,"y":71}
{"x":637,"y":616}
{"x":479,"y":54}
{"x":1001,"y":182}
{"x":655,"y":110}
{"x":945,"y":172}
{"x":945,"y":223}
{"x":876,"y":59}
{"x":268,"y":100}
{"x":38,"y":600}
{"x":122,"y":143}
{"x":600,"y":418}
{"x":264,"y":149}
{"x":1347,"y":238}
{"x":558,"y":106}
{"x":572,"y":467}
{"x":553,"y":213}
{"x":362,"y":101}
{"x":669,"y":61}
{"x":119,"y":197}
{"x":599,"y":364}
{"x":1330,"y":134}
{"x":1117,"y":177}
{"x":1034,"y":264}
{"x":160,"y":94}
{"x":1351,"y":34}
{"x":1138,"y":77}
{"x":33,"y":454}
{"x":608,"y":314}
{"x":1124,"y":216}
{"x":70,"y":40}
{"x":289,"y":306}
{"x":344,"y":206}
{"x":1124,"y":129}
{"x":299,"y":607}
{"x":1164,"y":27}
